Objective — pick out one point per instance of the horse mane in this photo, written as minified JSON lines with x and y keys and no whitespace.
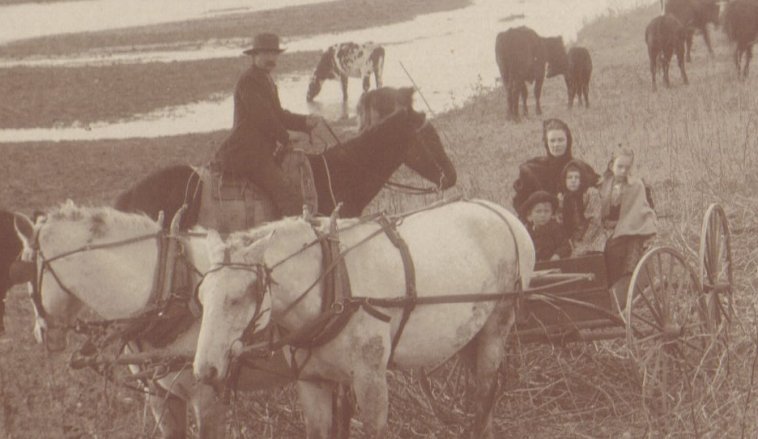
{"x":392,"y":130}
{"x":100,"y":220}
{"x":285,"y":227}
{"x":324,"y":68}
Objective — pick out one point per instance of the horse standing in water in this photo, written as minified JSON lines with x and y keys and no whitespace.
{"x":275,"y":274}
{"x":352,"y":173}
{"x":344,"y":60}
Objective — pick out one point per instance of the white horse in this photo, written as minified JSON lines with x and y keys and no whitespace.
{"x":107,"y":260}
{"x":461,"y":249}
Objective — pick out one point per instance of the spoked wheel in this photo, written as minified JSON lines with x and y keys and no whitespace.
{"x":716,"y":275}
{"x":667,"y":326}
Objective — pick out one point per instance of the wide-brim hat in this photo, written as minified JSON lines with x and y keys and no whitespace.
{"x":536,"y":198}
{"x":265,"y":42}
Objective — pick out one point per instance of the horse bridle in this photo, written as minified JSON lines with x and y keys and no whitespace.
{"x":262,"y":285}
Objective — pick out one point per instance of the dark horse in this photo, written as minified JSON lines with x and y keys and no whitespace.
{"x":344,"y":60}
{"x":694,"y":15}
{"x":741,"y":27}
{"x":665,"y":36}
{"x":357,"y":170}
{"x":578,"y":75}
{"x":521,"y":56}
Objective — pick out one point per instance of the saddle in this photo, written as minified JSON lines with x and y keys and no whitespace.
{"x":232,"y":202}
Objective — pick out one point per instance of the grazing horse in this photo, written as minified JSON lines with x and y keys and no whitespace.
{"x":694,"y":15}
{"x":521,"y":56}
{"x":375,"y":105}
{"x":273,"y":274}
{"x":741,"y":27}
{"x":348,"y":59}
{"x":665,"y":36}
{"x":578,"y":75}
{"x":352,"y":172}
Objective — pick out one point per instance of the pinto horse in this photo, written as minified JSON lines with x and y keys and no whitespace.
{"x":352,"y":172}
{"x":274,"y":274}
{"x":348,"y":59}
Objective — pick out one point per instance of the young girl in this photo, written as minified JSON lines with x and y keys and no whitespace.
{"x":580,"y":208}
{"x":628,"y":219}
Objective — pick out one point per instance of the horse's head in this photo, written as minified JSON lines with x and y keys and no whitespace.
{"x":428,"y":158}
{"x":54,"y":310}
{"x":96,"y":257}
{"x":235,"y":304}
{"x":557,"y":59}
{"x":426,"y":154}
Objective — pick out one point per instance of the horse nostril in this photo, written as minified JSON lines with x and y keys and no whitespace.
{"x":212,"y":373}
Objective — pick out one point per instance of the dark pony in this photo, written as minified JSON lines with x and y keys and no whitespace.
{"x":352,"y":172}
{"x":741,"y":27}
{"x":521,"y":56}
{"x":664,"y":37}
{"x":344,"y":60}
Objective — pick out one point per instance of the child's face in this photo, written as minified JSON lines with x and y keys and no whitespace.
{"x":557,"y":142}
{"x":573,"y":181}
{"x":621,"y":167}
{"x":540,"y":214}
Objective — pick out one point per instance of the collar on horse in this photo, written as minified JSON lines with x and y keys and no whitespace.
{"x":159,"y":322}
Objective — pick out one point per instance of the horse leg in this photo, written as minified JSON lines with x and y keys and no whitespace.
{"x":370,"y":384}
{"x":490,"y":350}
{"x":170,"y":413}
{"x":524,"y":92}
{"x":688,"y":42}
{"x":653,"y":66}
{"x":666,"y":62}
{"x":680,"y":62}
{"x":586,"y":92}
{"x":737,"y":56}
{"x":366,"y":82}
{"x":343,"y":81}
{"x":748,"y":57}
{"x":538,"y":93}
{"x":316,"y":401}
{"x":210,"y":413}
{"x":707,"y":39}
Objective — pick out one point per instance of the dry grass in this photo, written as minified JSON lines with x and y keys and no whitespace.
{"x":694,"y":144}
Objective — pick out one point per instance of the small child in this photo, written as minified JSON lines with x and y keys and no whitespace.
{"x":580,"y":208}
{"x":550,"y":241}
{"x":628,"y":218}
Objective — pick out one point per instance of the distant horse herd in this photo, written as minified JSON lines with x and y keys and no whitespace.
{"x":522,"y":56}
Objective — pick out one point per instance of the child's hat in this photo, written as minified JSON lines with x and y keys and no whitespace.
{"x":536,"y":198}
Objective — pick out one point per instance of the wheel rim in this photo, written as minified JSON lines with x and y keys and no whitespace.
{"x":667,"y":326}
{"x":715,"y":258}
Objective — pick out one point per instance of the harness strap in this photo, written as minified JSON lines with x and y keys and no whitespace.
{"x":410,"y":278}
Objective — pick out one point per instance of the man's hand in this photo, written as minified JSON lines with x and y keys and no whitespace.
{"x":313,"y":120}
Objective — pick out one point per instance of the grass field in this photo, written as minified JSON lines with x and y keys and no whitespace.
{"x":694,"y":144}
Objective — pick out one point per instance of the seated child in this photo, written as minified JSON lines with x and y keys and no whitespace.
{"x":550,"y":241}
{"x":580,"y":208}
{"x":628,"y":219}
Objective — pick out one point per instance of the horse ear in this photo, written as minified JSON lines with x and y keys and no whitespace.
{"x":24,"y":228}
{"x":405,"y":96}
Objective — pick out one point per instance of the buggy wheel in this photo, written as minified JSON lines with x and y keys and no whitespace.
{"x":667,"y":328}
{"x":716,"y":275}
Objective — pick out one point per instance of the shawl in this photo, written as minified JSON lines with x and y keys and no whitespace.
{"x":636,"y":216}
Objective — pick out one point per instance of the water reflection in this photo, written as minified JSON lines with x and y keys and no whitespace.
{"x":448,"y":54}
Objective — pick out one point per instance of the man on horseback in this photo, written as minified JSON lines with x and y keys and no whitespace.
{"x":259,"y":137}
